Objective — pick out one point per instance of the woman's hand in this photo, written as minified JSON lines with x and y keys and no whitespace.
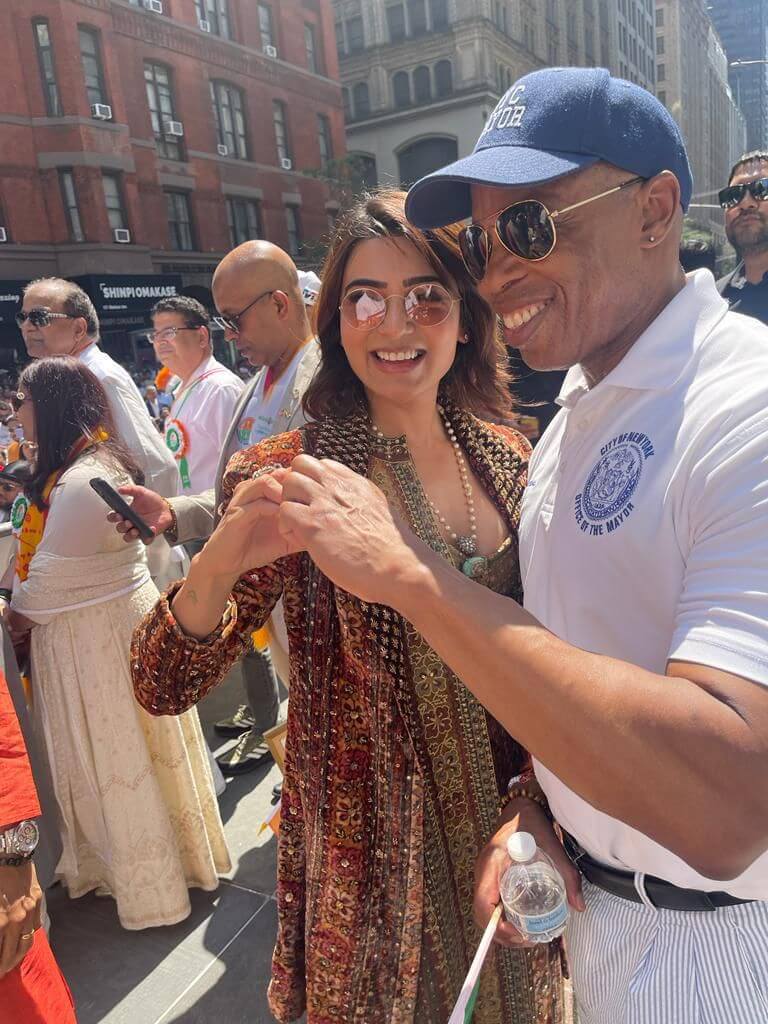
{"x":246,"y":538}
{"x":520,"y":815}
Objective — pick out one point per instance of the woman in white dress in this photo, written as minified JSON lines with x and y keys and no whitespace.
{"x":137,"y":809}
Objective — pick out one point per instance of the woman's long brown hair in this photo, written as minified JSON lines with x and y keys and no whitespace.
{"x":478,"y":380}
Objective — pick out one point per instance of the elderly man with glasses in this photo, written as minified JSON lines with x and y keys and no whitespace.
{"x":637,"y":671}
{"x":262,"y":309}
{"x":746,"y":225}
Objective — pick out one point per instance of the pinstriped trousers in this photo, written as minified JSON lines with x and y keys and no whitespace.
{"x":633,"y":964}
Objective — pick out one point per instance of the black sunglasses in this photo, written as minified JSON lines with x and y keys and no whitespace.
{"x":39,"y":316}
{"x":525,"y":229}
{"x":733,"y":194}
{"x":232,"y":323}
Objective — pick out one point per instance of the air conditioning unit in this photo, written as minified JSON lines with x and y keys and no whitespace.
{"x":122,"y":235}
{"x":155,"y":6}
{"x":270,"y":51}
{"x":222,"y":150}
{"x":203,"y":25}
{"x":3,"y":235}
{"x":286,"y":164}
{"x":175,"y":128}
{"x":101,"y":111}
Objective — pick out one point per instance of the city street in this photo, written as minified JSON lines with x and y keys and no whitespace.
{"x":212,"y":967}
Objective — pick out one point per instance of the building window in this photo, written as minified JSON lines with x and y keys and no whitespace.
{"x":69,"y":198}
{"x":230,"y":120}
{"x":244,"y":216}
{"x":660,"y":45}
{"x":266,"y":27}
{"x":293,"y":223}
{"x":341,"y":46}
{"x":113,"y":199}
{"x":279,"y":120}
{"x":179,"y":221}
{"x":215,"y":14}
{"x":401,"y":87}
{"x":365,"y":170}
{"x":417,"y":17}
{"x":422,"y":84}
{"x":314,"y":63}
{"x":324,"y":140}
{"x":157,"y":80}
{"x":362,"y":100}
{"x":396,"y":22}
{"x":443,"y":78}
{"x":47,"y":68}
{"x":90,"y":55}
{"x":355,"y":35}
{"x":662,"y":96}
{"x":660,"y":73}
{"x":346,"y":97}
{"x":438,"y":10}
{"x":423,"y":157}
{"x":659,"y":17}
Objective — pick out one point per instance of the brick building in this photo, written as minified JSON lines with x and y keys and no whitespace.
{"x":142,"y":139}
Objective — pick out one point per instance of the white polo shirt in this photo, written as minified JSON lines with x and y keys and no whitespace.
{"x":644,"y":531}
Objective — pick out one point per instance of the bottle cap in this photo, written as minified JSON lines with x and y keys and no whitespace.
{"x":521,"y":847}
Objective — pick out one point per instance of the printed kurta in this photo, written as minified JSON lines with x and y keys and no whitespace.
{"x":393,"y":771}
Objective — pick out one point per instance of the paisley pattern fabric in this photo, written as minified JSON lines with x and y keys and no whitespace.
{"x":393,"y":772}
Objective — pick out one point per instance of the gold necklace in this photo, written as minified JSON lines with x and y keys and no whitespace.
{"x":473,"y":564}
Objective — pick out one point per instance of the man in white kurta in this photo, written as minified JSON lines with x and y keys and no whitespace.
{"x":206,"y":395}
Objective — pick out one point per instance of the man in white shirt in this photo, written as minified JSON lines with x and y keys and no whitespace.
{"x":151,"y":401}
{"x":207,"y":392}
{"x":637,"y":675}
{"x":57,"y":318}
{"x":256,"y":290}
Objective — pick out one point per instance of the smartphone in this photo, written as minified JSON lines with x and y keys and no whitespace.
{"x":118,"y":504}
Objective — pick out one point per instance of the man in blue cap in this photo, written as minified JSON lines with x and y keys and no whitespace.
{"x":637,"y":673}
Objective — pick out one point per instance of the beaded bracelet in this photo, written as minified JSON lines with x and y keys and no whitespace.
{"x":172,"y":533}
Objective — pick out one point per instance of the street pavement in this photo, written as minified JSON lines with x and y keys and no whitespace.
{"x":213,"y":967}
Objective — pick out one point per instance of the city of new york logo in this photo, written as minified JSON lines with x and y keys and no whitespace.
{"x":508,"y":112}
{"x":605,"y":502}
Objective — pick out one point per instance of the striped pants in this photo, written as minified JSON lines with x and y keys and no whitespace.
{"x":632,"y":964}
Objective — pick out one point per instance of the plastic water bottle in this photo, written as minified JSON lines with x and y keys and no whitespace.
{"x":533,"y":891}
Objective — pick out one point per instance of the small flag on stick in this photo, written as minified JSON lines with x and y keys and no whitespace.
{"x":273,"y":820}
{"x":465,"y":1004}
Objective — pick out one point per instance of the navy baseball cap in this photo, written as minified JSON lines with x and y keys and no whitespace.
{"x":551,"y":123}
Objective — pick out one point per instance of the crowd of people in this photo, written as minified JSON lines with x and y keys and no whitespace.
{"x":477,"y":638}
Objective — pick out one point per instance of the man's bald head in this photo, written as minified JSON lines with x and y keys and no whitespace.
{"x":258,"y":284}
{"x":260,"y":262}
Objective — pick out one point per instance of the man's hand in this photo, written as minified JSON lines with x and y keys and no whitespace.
{"x":521,"y":815}
{"x":346,"y":525}
{"x":20,"y":902}
{"x":152,"y":508}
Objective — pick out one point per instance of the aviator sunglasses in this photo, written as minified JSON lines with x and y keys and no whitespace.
{"x":525,"y":229}
{"x":427,"y":304}
{"x":733,"y":194}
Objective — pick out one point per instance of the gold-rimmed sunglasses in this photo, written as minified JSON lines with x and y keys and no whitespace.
{"x":525,"y":229}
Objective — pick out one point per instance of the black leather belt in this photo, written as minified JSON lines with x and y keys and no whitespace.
{"x":663,"y":895}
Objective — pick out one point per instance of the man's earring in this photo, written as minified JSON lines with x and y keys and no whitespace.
{"x":651,"y":238}
{"x":463,"y":339}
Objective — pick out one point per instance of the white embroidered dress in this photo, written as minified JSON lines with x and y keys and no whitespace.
{"x":137,"y":809}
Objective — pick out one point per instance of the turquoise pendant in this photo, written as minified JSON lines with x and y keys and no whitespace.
{"x":474,"y":567}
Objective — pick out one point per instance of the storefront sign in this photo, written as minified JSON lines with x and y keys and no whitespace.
{"x":127,"y":299}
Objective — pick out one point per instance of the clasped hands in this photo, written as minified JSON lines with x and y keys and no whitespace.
{"x":319,"y":506}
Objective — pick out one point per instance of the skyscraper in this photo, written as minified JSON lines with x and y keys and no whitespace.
{"x":743,"y":28}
